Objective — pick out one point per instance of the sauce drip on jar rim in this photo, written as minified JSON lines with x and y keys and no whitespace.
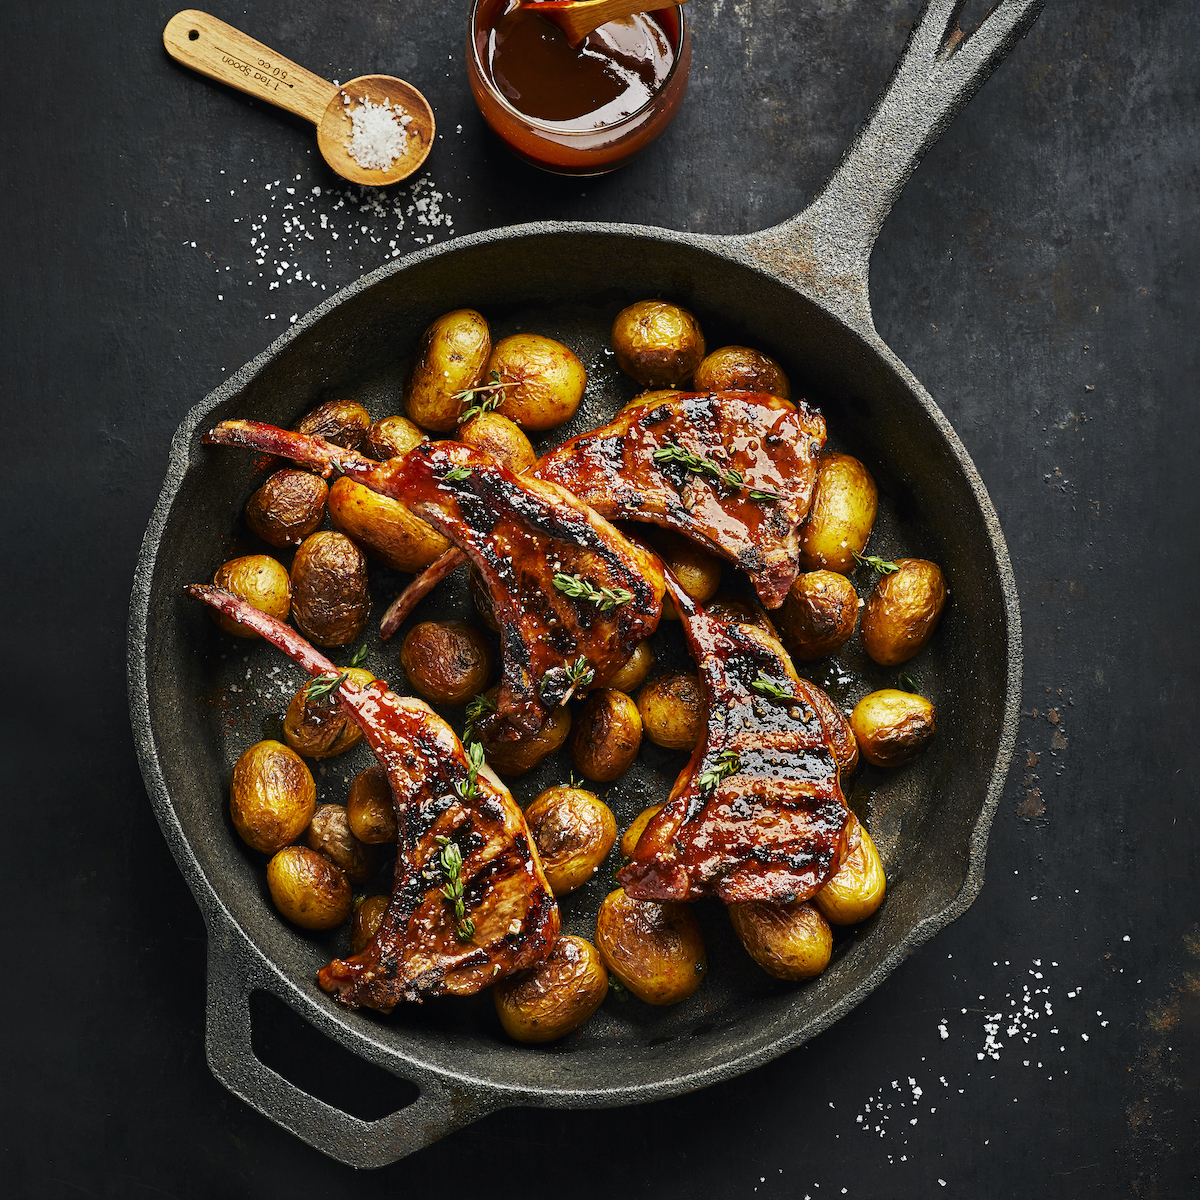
{"x":616,"y":71}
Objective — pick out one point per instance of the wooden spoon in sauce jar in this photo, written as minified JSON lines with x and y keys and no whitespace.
{"x":577,"y":18}
{"x":374,"y":130}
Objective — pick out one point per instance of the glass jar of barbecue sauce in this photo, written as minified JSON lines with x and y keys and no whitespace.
{"x":576,"y":111}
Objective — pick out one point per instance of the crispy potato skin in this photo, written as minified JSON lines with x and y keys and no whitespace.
{"x":452,"y":357}
{"x":631,"y":674}
{"x":673,"y":711}
{"x":607,"y":735}
{"x":549,"y":380}
{"x":384,"y":527}
{"x":343,"y":422}
{"x":447,"y":662}
{"x":629,"y":839}
{"x":369,"y":807}
{"x":656,"y":950}
{"x":556,"y":997}
{"x":903,"y":611}
{"x":308,"y":889}
{"x":740,"y":369}
{"x":391,"y":437}
{"x":574,"y":830}
{"x":259,"y":580}
{"x":659,"y":344}
{"x":845,"y":501}
{"x":272,"y":796}
{"x":320,"y":729}
{"x":330,"y":600}
{"x":329,"y":834}
{"x":518,"y":757}
{"x":818,"y":616}
{"x":789,"y":941}
{"x":500,"y":437}
{"x":368,"y":916}
{"x":287,"y":507}
{"x":857,"y":889}
{"x":893,"y":727}
{"x":698,"y":572}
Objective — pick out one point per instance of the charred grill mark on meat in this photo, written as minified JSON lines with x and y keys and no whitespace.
{"x":420,"y":949}
{"x":758,"y":812}
{"x":771,"y":444}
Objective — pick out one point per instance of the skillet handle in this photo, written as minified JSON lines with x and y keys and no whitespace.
{"x":234,"y":971}
{"x":826,"y":250}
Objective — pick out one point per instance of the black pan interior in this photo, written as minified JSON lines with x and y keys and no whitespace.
{"x":211,"y":696}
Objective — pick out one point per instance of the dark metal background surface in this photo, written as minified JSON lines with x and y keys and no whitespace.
{"x":112,"y":326}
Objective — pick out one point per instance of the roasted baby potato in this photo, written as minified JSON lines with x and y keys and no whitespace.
{"x":789,"y":941}
{"x":288,"y":507}
{"x":447,"y":662}
{"x":330,"y":600}
{"x":656,"y":950}
{"x":549,"y":380}
{"x":698,"y":572}
{"x":342,"y":422}
{"x":481,"y":600}
{"x":391,"y":437}
{"x":659,"y":344}
{"x":368,"y":916}
{"x":574,"y":830}
{"x":556,"y":997}
{"x":308,"y":889}
{"x":319,"y":728}
{"x":903,"y":611}
{"x":629,"y":839}
{"x":451,"y":358}
{"x":740,"y":369}
{"x":329,"y":834}
{"x":845,"y":501}
{"x":259,"y":580}
{"x":369,"y":807}
{"x":501,"y":438}
{"x":818,"y":615}
{"x":271,"y":796}
{"x":384,"y":527}
{"x":673,"y":711}
{"x":631,"y":674}
{"x":606,"y":735}
{"x":515,"y":758}
{"x":893,"y":727}
{"x":857,"y":888}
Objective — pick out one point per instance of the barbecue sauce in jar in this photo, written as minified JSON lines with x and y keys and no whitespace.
{"x":576,"y":110}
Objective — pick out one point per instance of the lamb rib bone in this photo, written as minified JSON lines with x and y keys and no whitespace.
{"x":419,"y":950}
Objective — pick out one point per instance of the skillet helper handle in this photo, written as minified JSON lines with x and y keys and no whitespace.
{"x":827,"y":248}
{"x":233,"y":973}
{"x":227,"y":55}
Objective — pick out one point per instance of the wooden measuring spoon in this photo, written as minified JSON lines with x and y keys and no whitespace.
{"x":223,"y":53}
{"x":577,"y":18}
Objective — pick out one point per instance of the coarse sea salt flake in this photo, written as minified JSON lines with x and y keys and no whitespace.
{"x":378,"y":135}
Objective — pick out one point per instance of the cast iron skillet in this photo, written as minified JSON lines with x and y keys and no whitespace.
{"x":798,"y":291}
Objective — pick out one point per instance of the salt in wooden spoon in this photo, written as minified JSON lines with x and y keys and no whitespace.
{"x":577,"y":18}
{"x":221,"y":52}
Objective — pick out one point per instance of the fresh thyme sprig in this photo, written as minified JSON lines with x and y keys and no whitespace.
{"x":320,"y":686}
{"x":764,"y":497}
{"x":466,"y":791}
{"x":579,"y":674}
{"x":727,"y":763}
{"x":880,"y":566}
{"x":767,"y":687}
{"x":475,"y":710}
{"x":457,"y":474}
{"x":559,"y":684}
{"x":489,"y":395}
{"x":617,"y":988}
{"x":911,"y":684}
{"x":700,"y":464}
{"x":359,"y":656}
{"x":606,"y":599}
{"x":450,"y":860}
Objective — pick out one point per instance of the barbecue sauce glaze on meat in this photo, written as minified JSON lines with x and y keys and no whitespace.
{"x":771,"y":443}
{"x":418,"y":950}
{"x":772,"y":829}
{"x":519,"y":532}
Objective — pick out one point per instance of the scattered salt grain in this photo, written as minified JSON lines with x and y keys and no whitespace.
{"x":380,"y":133}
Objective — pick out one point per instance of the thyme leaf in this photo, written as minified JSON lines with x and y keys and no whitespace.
{"x":606,"y":599}
{"x":450,"y":860}
{"x":727,"y":763}
{"x":767,"y":687}
{"x":484,"y":398}
{"x":475,"y":709}
{"x":457,"y":474}
{"x":359,"y":656}
{"x":911,"y":684}
{"x":466,"y":791}
{"x":880,"y":566}
{"x":698,"y":464}
{"x":579,"y":674}
{"x":765,"y":497}
{"x":617,"y":988}
{"x":320,"y":686}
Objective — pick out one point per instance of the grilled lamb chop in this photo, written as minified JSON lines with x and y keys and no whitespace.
{"x":758,"y":813}
{"x":539,"y":551}
{"x":444,"y":809}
